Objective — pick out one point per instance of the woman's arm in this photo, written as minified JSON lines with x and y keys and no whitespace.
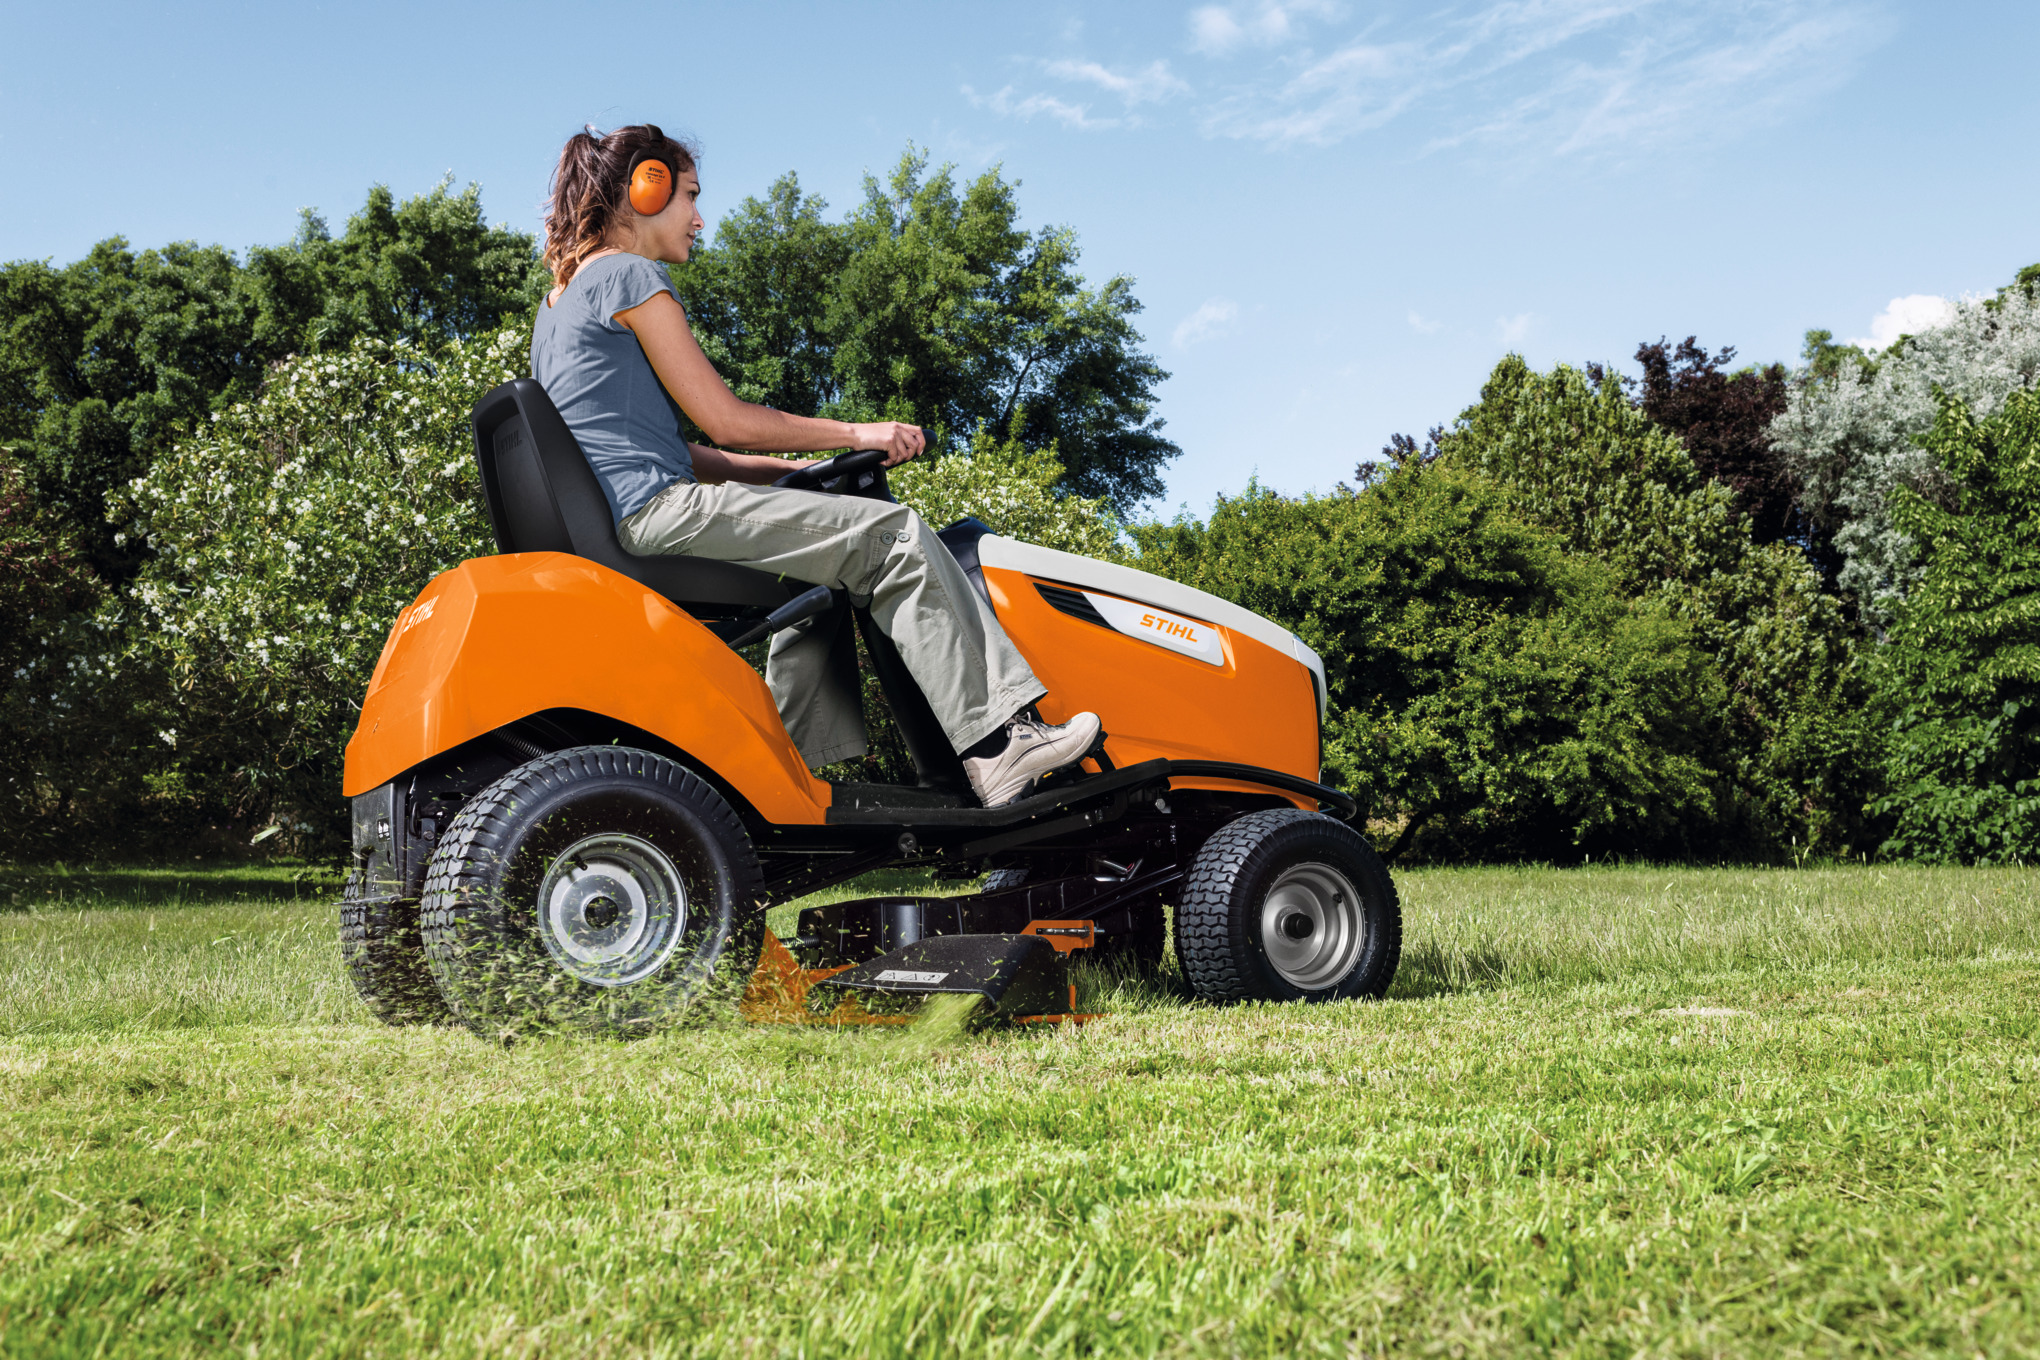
{"x":661,"y":327}
{"x":718,"y":465}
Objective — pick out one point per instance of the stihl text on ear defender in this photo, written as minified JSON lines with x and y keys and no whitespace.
{"x":652,"y":176}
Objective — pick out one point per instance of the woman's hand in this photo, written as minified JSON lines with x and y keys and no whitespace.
{"x":900,"y":441}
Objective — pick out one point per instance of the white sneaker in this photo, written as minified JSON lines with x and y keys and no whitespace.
{"x":1032,"y":750}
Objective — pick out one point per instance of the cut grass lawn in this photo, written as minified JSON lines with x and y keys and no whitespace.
{"x":1604,"y":1112}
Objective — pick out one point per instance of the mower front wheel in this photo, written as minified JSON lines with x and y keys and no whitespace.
{"x":1288,"y":905}
{"x":597,"y":888}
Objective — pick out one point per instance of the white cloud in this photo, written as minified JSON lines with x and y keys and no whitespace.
{"x":1424,"y":327}
{"x":1907,"y":316}
{"x":1204,"y":323}
{"x":1149,"y":85}
{"x":1516,"y":79}
{"x":1220,"y":29}
{"x":1561,"y":76}
{"x":1027,"y":107}
{"x":1512,"y":329}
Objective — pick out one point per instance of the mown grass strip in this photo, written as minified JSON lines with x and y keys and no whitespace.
{"x":1615,"y":1112}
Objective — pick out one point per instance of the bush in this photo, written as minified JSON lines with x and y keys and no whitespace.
{"x":1798,"y":760}
{"x":287,"y":535}
{"x":109,"y":360}
{"x":1013,"y":489}
{"x":1962,"y":670}
{"x":1851,"y":430}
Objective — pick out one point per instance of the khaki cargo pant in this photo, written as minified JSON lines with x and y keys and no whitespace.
{"x":883,"y":555}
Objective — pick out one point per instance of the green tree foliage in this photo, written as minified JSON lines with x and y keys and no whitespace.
{"x":107,"y":361}
{"x":45,"y":593}
{"x":1851,"y":431}
{"x":1584,"y":462}
{"x":1491,"y":693}
{"x":40,"y":574}
{"x":929,"y":303}
{"x":424,"y":271}
{"x":104,"y":361}
{"x":1962,"y":670}
{"x":758,"y":298}
{"x":1723,"y":417}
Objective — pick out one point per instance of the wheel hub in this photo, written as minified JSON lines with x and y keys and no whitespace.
{"x":612,"y":909}
{"x":1312,"y":928}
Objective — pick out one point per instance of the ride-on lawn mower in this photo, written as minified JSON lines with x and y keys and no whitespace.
{"x":574,"y":800}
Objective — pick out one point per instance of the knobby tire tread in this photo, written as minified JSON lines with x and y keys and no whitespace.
{"x":383,"y":950}
{"x":1212,"y":940}
{"x":456,"y":881}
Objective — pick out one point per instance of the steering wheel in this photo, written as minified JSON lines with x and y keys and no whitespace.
{"x":842,"y":466}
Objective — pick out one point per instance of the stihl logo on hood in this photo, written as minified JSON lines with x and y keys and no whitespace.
{"x":1191,"y":637}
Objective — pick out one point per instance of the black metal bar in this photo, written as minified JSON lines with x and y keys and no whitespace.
{"x":1043,"y":830}
{"x":1342,"y":802}
{"x":1040,"y":804}
{"x":1083,"y":790}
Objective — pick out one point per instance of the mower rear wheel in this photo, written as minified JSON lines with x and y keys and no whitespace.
{"x":1288,"y":905}
{"x":384,"y":952}
{"x":597,"y":888}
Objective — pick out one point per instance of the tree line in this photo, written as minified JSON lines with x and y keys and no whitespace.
{"x":1694,"y":612}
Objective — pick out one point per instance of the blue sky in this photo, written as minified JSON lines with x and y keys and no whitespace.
{"x":1338,"y":214}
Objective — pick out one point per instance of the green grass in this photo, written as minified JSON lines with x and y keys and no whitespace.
{"x":1605,"y":1112}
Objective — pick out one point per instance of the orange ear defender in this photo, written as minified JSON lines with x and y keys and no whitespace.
{"x":652,"y":176}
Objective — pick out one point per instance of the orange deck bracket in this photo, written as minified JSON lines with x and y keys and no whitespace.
{"x":1066,"y":936}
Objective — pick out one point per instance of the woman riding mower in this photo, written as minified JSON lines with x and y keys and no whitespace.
{"x":613,"y":349}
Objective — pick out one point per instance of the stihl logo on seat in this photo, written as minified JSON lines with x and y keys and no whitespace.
{"x":1191,"y":637}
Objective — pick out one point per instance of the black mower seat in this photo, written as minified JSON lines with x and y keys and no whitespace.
{"x":543,"y":497}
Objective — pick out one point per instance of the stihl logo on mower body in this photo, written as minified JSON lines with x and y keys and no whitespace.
{"x":416,"y":615}
{"x":1191,"y":637}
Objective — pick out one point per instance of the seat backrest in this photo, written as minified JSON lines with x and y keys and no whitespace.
{"x":543,"y":497}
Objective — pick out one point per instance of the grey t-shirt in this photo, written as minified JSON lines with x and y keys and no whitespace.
{"x":597,"y":374}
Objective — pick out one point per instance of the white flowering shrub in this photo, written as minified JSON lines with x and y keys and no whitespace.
{"x":288,"y":535}
{"x":1012,"y":489}
{"x":1850,"y":440}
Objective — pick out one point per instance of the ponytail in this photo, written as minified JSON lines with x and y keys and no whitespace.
{"x":588,"y":189}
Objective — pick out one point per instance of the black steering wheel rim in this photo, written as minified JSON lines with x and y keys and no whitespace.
{"x":812,"y":477}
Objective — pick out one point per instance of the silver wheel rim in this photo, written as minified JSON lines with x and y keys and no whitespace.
{"x":1312,"y":927}
{"x":611,"y":909}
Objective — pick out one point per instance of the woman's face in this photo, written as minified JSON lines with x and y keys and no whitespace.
{"x":669,"y":236}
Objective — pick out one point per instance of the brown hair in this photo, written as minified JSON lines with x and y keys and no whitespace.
{"x":588,"y":190}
